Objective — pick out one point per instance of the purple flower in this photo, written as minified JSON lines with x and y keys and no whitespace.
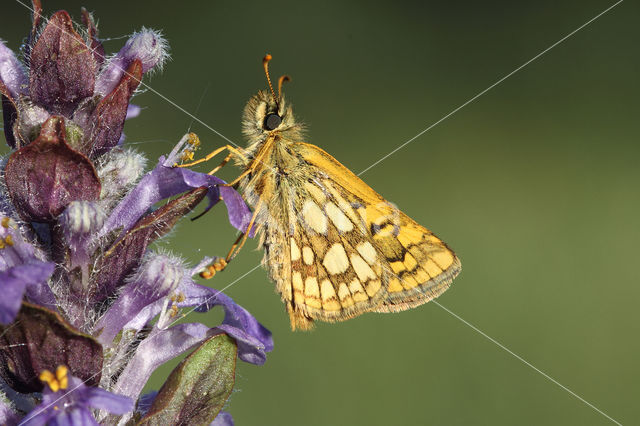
{"x":67,"y":401}
{"x":20,"y":270}
{"x":223,"y":419}
{"x":78,"y":215}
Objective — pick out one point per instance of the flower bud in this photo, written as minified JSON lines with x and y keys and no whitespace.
{"x":147,"y":46}
{"x":118,"y":171}
{"x":80,"y":219}
{"x":159,"y":276}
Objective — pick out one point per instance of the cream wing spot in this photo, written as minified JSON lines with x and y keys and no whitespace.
{"x":316,"y":193}
{"x":327,"y":291}
{"x":373,"y":286}
{"x":336,"y":261}
{"x":339,"y":219}
{"x":295,"y":250}
{"x":343,"y":291}
{"x":329,"y":299}
{"x":307,"y":255}
{"x":363,"y":270}
{"x":367,"y":251}
{"x":312,"y":293}
{"x":311,"y":288}
{"x":296,"y":280}
{"x":346,"y":207}
{"x":344,"y":295}
{"x":314,"y":217}
{"x":357,"y":291}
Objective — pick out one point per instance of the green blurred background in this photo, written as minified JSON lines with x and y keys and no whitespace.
{"x":535,"y":185}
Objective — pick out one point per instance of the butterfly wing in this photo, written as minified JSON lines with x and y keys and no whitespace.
{"x":350,"y":251}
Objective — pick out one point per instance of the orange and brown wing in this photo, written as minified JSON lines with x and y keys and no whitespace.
{"x":413,"y":265}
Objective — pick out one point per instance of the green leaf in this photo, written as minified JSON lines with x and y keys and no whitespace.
{"x":198,"y":387}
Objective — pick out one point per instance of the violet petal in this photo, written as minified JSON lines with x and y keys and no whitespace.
{"x":145,"y":402}
{"x":12,"y":72}
{"x":18,"y":260}
{"x":133,"y":111}
{"x":254,"y":340}
{"x":204,"y":298}
{"x":62,"y":67}
{"x":8,"y":416}
{"x":164,"y":182}
{"x":72,"y":406}
{"x":222,"y":419}
{"x":250,"y":349}
{"x":104,"y":400}
{"x":159,"y":347}
{"x":14,"y":281}
{"x":159,"y":276}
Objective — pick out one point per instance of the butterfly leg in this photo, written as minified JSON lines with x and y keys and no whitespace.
{"x":235,"y":248}
{"x":239,"y":178}
{"x":251,"y":165}
{"x":220,"y":264}
{"x":221,"y":165}
{"x":232,"y":150}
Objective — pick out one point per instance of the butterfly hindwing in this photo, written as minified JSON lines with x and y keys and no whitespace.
{"x":334,"y":276}
{"x":413,"y":265}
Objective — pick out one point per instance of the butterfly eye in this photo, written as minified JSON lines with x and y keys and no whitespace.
{"x":272,"y":121}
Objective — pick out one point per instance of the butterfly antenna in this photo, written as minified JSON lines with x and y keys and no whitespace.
{"x":265,"y":64}
{"x":281,"y":81}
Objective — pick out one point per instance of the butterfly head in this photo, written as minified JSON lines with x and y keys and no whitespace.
{"x":268,"y":114}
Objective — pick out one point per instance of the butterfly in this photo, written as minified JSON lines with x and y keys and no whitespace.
{"x":333,"y":246}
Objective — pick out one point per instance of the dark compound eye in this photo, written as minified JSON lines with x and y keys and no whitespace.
{"x":272,"y":121}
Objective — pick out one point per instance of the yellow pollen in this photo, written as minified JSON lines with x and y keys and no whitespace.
{"x":5,"y":222}
{"x":174,"y":311}
{"x":2,"y":244}
{"x":61,"y":375}
{"x":57,"y":382}
{"x":193,"y":140}
{"x":187,"y":155}
{"x":9,"y":240}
